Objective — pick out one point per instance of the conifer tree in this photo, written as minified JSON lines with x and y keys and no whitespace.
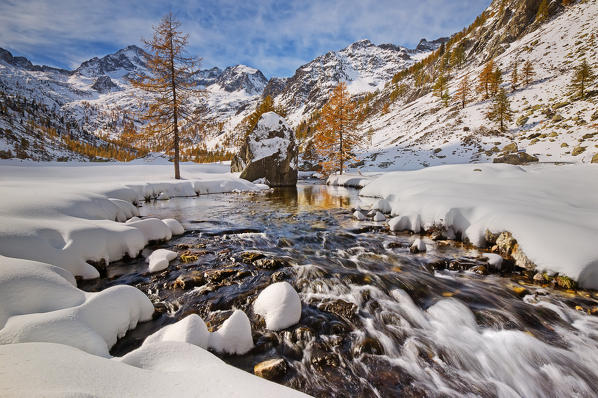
{"x":495,"y":81}
{"x":583,"y":76}
{"x":528,"y":72}
{"x":500,"y":110}
{"x":335,"y":138}
{"x":515,"y":76}
{"x":457,"y":56}
{"x":171,"y":84}
{"x":463,"y":90}
{"x":440,"y":87}
{"x":485,"y":79}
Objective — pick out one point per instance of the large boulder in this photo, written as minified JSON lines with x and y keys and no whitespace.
{"x":268,"y":152}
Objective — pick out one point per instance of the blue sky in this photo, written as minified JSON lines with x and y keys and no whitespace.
{"x":273,"y":36}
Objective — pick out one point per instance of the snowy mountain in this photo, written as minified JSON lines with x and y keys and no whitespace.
{"x":123,"y":63}
{"x":365,"y":67}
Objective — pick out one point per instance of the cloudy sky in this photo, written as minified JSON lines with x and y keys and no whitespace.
{"x":274,"y":36}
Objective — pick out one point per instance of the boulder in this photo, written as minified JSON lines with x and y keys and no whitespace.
{"x":268,"y":152}
{"x":518,"y":158}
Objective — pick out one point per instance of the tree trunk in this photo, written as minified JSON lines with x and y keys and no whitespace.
{"x":177,"y":173}
{"x":341,"y":143}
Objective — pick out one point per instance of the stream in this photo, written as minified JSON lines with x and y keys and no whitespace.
{"x":377,"y":320}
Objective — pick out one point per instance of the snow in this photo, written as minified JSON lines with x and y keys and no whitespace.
{"x":280,"y":306}
{"x":261,"y":145}
{"x":191,"y":329}
{"x":234,"y":336}
{"x":164,"y":369}
{"x":358,"y":215}
{"x":494,"y":260}
{"x":153,"y":229}
{"x":40,"y":303}
{"x":348,"y":180}
{"x":551,"y":210}
{"x":176,"y":228}
{"x":378,"y":217}
{"x":159,"y":259}
{"x":418,"y":246}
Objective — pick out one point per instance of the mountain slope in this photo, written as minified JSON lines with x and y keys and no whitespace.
{"x":548,"y":123}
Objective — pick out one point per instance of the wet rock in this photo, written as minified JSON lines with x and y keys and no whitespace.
{"x":218,"y":275}
{"x":339,"y":308}
{"x":284,"y":242}
{"x":251,"y":256}
{"x":159,"y":309}
{"x":270,"y":263}
{"x":539,"y":277}
{"x":564,"y":282}
{"x":189,"y":280}
{"x":191,"y":256}
{"x":271,"y":369}
{"x":279,"y":276}
{"x":505,"y":243}
{"x":480,"y":270}
{"x":322,"y":358}
{"x":368,"y":345}
{"x":303,"y":334}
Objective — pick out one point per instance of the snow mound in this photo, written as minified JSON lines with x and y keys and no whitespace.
{"x":58,"y":312}
{"x":349,"y":180}
{"x":234,"y":336}
{"x":494,"y":260}
{"x":378,"y":217}
{"x":358,"y":215}
{"x":152,"y":229}
{"x":191,"y":329}
{"x":551,"y":210}
{"x":159,"y":259}
{"x":164,"y":369}
{"x":418,"y":246}
{"x":280,"y":306}
{"x":175,"y":227}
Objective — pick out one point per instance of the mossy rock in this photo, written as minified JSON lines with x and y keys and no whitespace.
{"x":588,"y":136}
{"x":578,"y":150}
{"x":509,"y":148}
{"x":522,"y":120}
{"x":534,"y":141}
{"x":560,"y":105}
{"x":557,"y":118}
{"x":554,"y":134}
{"x":565,"y":282}
{"x":564,"y":145}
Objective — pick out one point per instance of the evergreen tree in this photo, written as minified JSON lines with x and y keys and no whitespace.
{"x":528,"y":73}
{"x":583,"y":76}
{"x":335,"y":137}
{"x":171,"y":84}
{"x":500,"y":110}
{"x":542,"y":13}
{"x":515,"y":76}
{"x":485,"y":79}
{"x":463,"y":90}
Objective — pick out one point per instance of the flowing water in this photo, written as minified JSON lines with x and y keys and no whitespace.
{"x":377,"y":320}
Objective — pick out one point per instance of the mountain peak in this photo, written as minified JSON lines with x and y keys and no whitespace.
{"x":118,"y":64}
{"x":242,"y":78}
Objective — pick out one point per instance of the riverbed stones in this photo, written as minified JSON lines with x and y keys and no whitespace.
{"x":269,"y":152}
{"x":339,"y":308}
{"x":368,"y":345}
{"x":189,"y":280}
{"x":271,"y":369}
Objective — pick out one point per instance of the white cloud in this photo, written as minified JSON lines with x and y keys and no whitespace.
{"x":272,"y":35}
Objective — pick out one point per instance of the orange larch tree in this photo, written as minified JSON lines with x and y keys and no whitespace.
{"x":172,"y":87}
{"x":336,"y":139}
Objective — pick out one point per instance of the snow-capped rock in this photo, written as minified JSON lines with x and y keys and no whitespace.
{"x":279,"y":304}
{"x":159,"y":259}
{"x":269,"y":152}
{"x":131,"y":59}
{"x":242,"y":78}
{"x":104,"y":84}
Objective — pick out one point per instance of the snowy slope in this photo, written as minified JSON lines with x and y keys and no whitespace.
{"x":421,"y":132}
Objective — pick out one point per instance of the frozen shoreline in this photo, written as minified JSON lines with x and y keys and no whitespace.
{"x":55,"y":218}
{"x":552,"y":211}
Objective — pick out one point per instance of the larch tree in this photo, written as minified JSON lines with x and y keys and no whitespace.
{"x":500,"y":110}
{"x":463,"y":90}
{"x":515,"y":75}
{"x":172,"y":87}
{"x":335,"y":138}
{"x":485,"y":79}
{"x":528,"y":72}
{"x":582,"y":77}
{"x":441,"y":88}
{"x":495,"y":81}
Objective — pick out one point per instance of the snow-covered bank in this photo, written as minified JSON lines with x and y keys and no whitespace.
{"x":64,"y":214}
{"x":163,"y":369}
{"x":350,"y":180}
{"x":552,"y":211}
{"x":55,"y":219}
